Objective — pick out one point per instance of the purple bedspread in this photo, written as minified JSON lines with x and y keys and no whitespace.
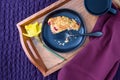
{"x":14,"y":65}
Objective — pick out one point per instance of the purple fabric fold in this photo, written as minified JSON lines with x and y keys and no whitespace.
{"x":99,"y":60}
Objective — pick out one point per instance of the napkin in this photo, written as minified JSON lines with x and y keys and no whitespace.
{"x":100,"y":59}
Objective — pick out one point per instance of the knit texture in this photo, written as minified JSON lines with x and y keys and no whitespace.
{"x":14,"y":65}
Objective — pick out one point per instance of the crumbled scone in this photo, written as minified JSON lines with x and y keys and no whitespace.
{"x":62,"y":23}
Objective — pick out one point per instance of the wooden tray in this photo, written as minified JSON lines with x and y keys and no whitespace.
{"x":43,"y":59}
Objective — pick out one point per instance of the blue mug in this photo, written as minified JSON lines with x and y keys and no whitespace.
{"x":99,"y":7}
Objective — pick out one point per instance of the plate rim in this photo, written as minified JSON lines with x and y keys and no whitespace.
{"x":82,"y":41}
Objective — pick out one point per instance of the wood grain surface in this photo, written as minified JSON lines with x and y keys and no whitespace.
{"x":43,"y":59}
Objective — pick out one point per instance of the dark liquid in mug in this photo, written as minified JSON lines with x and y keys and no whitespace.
{"x":97,"y":6}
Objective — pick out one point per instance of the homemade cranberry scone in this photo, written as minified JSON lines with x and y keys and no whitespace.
{"x":62,"y":23}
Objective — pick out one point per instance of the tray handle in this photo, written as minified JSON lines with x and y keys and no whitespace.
{"x":30,"y":51}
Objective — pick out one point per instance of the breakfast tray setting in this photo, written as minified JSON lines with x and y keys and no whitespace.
{"x":43,"y":58}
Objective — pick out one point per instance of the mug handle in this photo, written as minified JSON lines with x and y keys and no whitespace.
{"x":113,"y":11}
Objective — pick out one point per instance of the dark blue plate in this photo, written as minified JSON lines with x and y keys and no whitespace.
{"x":57,"y":41}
